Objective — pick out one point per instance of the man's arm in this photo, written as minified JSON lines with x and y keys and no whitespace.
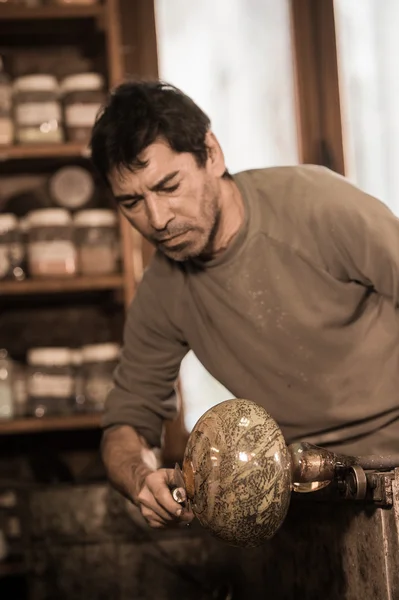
{"x":358,"y":237}
{"x":143,"y":398}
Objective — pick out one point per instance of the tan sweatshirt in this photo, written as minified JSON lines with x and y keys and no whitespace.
{"x":299,"y":314}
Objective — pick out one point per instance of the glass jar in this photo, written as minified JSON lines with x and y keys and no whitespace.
{"x":6,"y":386}
{"x":12,"y":251}
{"x":6,"y":122}
{"x":50,"y":381}
{"x":37,"y":109}
{"x":51,"y":248}
{"x":99,"y":362}
{"x":97,"y":241}
{"x":83,"y":96}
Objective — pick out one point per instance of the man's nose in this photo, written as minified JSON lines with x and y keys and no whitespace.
{"x":159,"y":212}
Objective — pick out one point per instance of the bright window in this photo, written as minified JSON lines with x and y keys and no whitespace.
{"x":234,"y":58}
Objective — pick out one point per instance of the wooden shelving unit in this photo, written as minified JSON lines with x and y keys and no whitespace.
{"x":34,"y":151}
{"x":128,"y":30}
{"x":9,"y":12}
{"x":61,"y":423}
{"x":75,"y":284}
{"x":9,"y":569}
{"x":24,"y":19}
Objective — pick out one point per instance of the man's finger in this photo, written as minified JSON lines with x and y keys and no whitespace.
{"x":160,"y":485}
{"x":152,"y":518}
{"x":148,"y":500}
{"x":156,"y":524}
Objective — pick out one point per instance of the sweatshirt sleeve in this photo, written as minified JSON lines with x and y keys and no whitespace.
{"x":359,"y":236}
{"x":144,"y":382}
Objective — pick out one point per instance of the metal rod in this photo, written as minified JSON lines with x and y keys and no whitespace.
{"x":377,"y":461}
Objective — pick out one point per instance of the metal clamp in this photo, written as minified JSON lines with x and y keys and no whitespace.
{"x":352,"y":482}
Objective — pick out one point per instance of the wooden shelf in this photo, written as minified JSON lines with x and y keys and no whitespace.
{"x":29,"y":151}
{"x":61,"y":423}
{"x":9,"y":12}
{"x":12,"y":568}
{"x":54,"y":286}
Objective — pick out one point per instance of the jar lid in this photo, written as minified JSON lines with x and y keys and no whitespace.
{"x":49,"y":357}
{"x":36,"y":83}
{"x":100,"y":352}
{"x":82,"y":82}
{"x":8,"y":222}
{"x":100,"y":217}
{"x":72,"y":187}
{"x":48,"y":216}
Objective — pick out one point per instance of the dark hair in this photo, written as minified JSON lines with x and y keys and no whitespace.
{"x":136,"y":114}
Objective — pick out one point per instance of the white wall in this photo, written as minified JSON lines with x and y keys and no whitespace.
{"x":234,"y":58}
{"x":368,"y":51}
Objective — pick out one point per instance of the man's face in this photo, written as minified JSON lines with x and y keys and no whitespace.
{"x":172,"y":202}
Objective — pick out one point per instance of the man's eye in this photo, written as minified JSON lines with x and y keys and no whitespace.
{"x":171,"y":189}
{"x":130,"y":205}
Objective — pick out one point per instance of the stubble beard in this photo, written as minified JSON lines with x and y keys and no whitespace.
{"x":202,"y":247}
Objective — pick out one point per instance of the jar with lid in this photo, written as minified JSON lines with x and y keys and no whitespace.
{"x":97,"y":241}
{"x":99,"y":362}
{"x":83,"y":96}
{"x":51,"y":249}
{"x":37,"y":109}
{"x":6,"y":122}
{"x":12,"y":252}
{"x":50,"y":381}
{"x":6,"y":386}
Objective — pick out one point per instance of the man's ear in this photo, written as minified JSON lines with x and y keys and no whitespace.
{"x":216,"y":160}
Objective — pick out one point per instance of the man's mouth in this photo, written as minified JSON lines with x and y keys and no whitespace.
{"x":171,"y":238}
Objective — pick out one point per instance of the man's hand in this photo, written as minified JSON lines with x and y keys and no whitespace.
{"x":126,"y":459}
{"x":156,"y":502}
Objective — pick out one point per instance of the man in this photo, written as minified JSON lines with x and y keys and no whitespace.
{"x":284,"y":281}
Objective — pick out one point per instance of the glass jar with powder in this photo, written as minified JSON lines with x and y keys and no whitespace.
{"x":51,"y":248}
{"x":83,"y":96}
{"x":97,"y":241}
{"x":98,"y":364}
{"x":37,"y":109}
{"x":50,"y":381}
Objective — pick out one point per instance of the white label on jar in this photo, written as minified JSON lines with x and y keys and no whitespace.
{"x":57,"y":386}
{"x":36,"y":113}
{"x":55,"y":257}
{"x":4,"y":260}
{"x":81,"y":115}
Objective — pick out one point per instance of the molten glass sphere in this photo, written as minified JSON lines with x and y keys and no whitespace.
{"x":237,"y":473}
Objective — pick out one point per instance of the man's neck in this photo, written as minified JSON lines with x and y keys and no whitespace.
{"x":231,"y":217}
